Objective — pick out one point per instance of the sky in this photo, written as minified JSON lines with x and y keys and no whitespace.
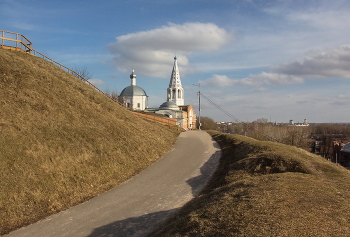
{"x":272,"y":59}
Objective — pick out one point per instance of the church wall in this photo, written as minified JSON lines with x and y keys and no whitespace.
{"x":132,"y":102}
{"x":168,"y":112}
{"x":142,"y":101}
{"x":190,"y":116}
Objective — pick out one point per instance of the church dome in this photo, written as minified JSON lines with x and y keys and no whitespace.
{"x":168,"y":105}
{"x":133,"y":90}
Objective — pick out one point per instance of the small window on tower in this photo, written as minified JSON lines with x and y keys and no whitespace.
{"x":138,"y":105}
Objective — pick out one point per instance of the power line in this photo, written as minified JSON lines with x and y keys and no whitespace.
{"x":221,"y":109}
{"x":236,"y":119}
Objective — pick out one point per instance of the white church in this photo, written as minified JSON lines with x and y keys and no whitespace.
{"x":135,"y":98}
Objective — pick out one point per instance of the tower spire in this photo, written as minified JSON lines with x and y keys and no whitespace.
{"x":175,"y":92}
{"x":133,"y":78}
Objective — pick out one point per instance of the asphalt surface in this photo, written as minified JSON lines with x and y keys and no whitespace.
{"x":142,"y":203}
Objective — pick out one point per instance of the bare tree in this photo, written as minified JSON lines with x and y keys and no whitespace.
{"x":84,"y":72}
{"x":112,"y":94}
{"x":207,"y":123}
{"x":261,"y":120}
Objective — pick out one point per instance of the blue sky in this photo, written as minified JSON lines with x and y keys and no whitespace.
{"x":278,"y":60}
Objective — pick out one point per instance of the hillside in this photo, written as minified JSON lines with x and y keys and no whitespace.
{"x":62,"y":142}
{"x":267,"y":189}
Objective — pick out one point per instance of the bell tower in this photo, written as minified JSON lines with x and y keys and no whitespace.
{"x":175,"y":92}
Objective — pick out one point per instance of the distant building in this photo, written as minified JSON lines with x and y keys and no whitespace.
{"x":174,"y":106}
{"x":133,"y":96}
{"x":291,"y":123}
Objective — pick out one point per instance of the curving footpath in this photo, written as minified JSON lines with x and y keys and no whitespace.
{"x":142,"y":203}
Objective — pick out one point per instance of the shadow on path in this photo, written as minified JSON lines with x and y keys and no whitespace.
{"x":207,"y":170}
{"x":135,"y":226}
{"x":145,"y":224}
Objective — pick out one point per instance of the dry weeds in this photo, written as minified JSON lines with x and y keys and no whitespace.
{"x":267,"y":189}
{"x":62,"y":142}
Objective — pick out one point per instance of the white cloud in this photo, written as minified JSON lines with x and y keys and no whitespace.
{"x":317,"y":64}
{"x":288,"y":29}
{"x":273,"y":79}
{"x":219,"y":81}
{"x":323,"y":17}
{"x":282,"y":105}
{"x":332,"y":63}
{"x":151,"y":52}
{"x":253,"y":80}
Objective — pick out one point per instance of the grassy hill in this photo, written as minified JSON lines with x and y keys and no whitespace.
{"x":62,"y":142}
{"x":267,"y":189}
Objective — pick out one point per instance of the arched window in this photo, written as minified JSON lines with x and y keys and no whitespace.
{"x":179,"y":94}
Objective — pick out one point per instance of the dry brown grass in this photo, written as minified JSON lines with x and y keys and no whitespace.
{"x":62,"y":142}
{"x":267,"y":189}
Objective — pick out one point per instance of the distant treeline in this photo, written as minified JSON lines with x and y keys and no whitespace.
{"x":299,"y":136}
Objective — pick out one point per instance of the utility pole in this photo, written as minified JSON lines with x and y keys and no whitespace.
{"x":199,"y":105}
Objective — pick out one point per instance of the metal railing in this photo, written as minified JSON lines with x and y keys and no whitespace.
{"x":19,"y":42}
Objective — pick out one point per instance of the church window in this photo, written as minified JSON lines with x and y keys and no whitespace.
{"x":138,"y":105}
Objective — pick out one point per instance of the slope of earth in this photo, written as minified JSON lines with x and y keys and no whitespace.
{"x":267,"y":189}
{"x":62,"y":142}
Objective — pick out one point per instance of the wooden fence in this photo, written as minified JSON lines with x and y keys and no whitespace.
{"x":15,"y":41}
{"x":18,"y":42}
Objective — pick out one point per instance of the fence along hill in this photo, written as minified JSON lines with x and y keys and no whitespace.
{"x":62,"y":142}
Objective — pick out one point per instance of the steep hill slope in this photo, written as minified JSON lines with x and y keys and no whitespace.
{"x":62,"y":142}
{"x":267,"y":189}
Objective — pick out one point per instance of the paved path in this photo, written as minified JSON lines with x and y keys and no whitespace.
{"x":137,"y":206}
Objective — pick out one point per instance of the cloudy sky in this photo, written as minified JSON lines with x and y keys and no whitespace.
{"x":273,"y":59}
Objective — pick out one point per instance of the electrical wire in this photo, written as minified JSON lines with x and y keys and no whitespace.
{"x":269,"y":138}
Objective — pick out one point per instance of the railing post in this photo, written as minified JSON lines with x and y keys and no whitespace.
{"x":16,"y":41}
